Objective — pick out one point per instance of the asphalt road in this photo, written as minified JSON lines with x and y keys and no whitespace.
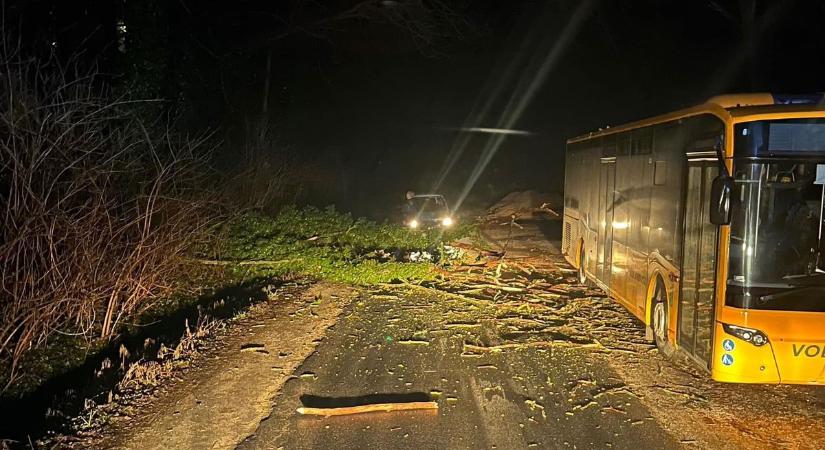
{"x":518,"y":397}
{"x":515,"y":353}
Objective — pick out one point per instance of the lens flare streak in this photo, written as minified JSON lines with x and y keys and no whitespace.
{"x":528,"y":86}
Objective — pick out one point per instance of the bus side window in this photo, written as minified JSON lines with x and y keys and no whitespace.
{"x":623,"y":145}
{"x":660,"y":173}
{"x":641,"y":143}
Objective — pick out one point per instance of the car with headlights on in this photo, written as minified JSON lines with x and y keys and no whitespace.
{"x":422,"y":211}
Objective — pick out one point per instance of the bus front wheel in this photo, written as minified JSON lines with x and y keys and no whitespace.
{"x":660,"y":318}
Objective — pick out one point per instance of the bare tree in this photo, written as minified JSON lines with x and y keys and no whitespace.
{"x":743,"y":13}
{"x":754,"y":20}
{"x":426,"y":22}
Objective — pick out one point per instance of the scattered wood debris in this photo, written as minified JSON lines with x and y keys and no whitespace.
{"x":522,"y":345}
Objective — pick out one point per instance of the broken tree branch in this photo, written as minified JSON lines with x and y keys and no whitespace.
{"x":378,"y":407}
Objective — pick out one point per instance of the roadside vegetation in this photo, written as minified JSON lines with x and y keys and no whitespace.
{"x":112,"y":221}
{"x":97,"y":209}
{"x":331,"y":245}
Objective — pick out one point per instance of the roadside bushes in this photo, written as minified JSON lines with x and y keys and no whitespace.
{"x":252,"y":232}
{"x":259,"y":173}
{"x":328,"y":244}
{"x":97,"y":208}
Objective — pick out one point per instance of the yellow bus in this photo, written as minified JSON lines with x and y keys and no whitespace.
{"x":706,"y":224}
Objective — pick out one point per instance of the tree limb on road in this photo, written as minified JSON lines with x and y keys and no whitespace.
{"x":378,"y":407}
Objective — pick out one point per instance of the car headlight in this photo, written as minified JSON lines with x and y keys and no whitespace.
{"x":413,"y":223}
{"x":447,"y":221}
{"x":751,"y":335}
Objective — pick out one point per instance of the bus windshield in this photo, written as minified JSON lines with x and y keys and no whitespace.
{"x":775,"y":225}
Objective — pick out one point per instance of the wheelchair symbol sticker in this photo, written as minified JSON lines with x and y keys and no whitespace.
{"x":728,"y":345}
{"x":727,"y":360}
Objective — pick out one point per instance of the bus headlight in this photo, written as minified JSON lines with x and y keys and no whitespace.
{"x":751,"y":335}
{"x":412,"y":223}
{"x":447,"y":221}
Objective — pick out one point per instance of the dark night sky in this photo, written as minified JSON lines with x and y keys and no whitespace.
{"x":628,"y":60}
{"x":375,"y":110}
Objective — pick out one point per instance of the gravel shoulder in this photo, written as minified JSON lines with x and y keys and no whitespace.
{"x":222,"y":402}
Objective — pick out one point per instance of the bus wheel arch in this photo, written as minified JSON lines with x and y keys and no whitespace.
{"x":659,"y":317}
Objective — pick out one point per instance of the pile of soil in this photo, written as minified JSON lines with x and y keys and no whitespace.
{"x":527,"y":205}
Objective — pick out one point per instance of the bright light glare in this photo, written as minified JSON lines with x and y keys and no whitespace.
{"x":413,"y":223}
{"x":486,"y":130}
{"x":447,"y":221}
{"x":533,"y":78}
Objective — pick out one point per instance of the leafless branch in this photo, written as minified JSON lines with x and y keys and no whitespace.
{"x":426,"y":22}
{"x":97,"y":211}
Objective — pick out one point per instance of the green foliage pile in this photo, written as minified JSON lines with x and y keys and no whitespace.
{"x":327,"y":244}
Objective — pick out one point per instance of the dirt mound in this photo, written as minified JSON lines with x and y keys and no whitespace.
{"x":527,"y":205}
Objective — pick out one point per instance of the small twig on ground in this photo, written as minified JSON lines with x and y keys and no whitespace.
{"x":546,"y":208}
{"x":498,"y":287}
{"x":222,"y":262}
{"x":498,"y":348}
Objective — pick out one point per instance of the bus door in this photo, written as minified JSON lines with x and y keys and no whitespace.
{"x":695,"y":323}
{"x":607,"y":189}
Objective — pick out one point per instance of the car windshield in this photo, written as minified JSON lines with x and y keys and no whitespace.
{"x":430,"y":207}
{"x":775,"y":225}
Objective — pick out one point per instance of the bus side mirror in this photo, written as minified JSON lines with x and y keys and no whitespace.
{"x":720,"y":192}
